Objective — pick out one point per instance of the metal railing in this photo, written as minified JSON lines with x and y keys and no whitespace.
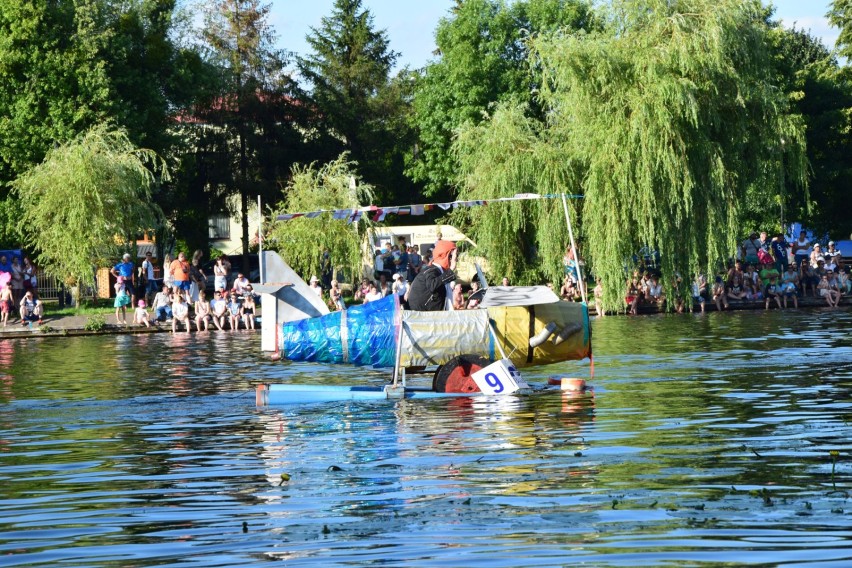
{"x":50,"y":287}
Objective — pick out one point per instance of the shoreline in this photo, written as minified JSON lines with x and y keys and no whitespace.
{"x":75,"y":326}
{"x":808,"y":302}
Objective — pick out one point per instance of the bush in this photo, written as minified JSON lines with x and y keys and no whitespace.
{"x":95,"y":322}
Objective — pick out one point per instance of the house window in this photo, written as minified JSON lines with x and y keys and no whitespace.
{"x":219,"y":226}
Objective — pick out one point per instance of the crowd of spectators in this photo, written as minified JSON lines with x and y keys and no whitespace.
{"x":19,"y":290}
{"x":181,"y":299}
{"x":767,"y":269}
{"x":395,"y":267}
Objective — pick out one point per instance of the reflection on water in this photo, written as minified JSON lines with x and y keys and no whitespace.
{"x":706,"y":439}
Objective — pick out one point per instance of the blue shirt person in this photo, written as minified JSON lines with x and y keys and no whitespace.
{"x":779,"y":250}
{"x":124,"y":268}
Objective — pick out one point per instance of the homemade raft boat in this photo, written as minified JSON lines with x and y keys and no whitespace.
{"x":473,"y":352}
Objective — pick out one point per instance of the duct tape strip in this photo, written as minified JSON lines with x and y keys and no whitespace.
{"x":344,"y":336}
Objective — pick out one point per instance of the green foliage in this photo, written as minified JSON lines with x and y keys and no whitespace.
{"x":95,"y":322}
{"x":821,"y":91}
{"x":53,"y":80}
{"x":10,"y":213}
{"x":68,"y":64}
{"x":254,"y":123}
{"x":506,"y":155}
{"x":483,"y":60}
{"x":359,"y":109}
{"x":664,"y":120}
{"x":83,"y":196}
{"x":840,"y":16}
{"x":301,"y":241}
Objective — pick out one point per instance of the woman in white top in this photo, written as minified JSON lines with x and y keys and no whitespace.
{"x":220,"y":275}
{"x":400,"y":286}
{"x":374,"y":294}
{"x":801,"y":248}
{"x":817,"y":255}
{"x":17,"y":281}
{"x":315,"y":287}
{"x":833,"y":258}
{"x":168,"y":279}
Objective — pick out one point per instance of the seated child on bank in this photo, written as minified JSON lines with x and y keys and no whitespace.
{"x":140,"y":315}
{"x":180,"y":313}
{"x":772,"y":292}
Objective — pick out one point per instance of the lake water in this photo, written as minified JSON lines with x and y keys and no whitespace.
{"x":708,"y":439}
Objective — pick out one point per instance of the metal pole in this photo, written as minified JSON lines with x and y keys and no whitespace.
{"x":398,"y":309}
{"x":574,"y":249}
{"x":783,"y":193}
{"x":260,"y":239}
{"x":493,"y":331}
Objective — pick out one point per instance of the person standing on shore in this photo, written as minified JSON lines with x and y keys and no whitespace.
{"x":801,"y":248}
{"x":122,"y":300}
{"x":415,"y":263}
{"x":17,"y":281}
{"x":198,"y":280}
{"x":779,"y":251}
{"x":6,"y":302}
{"x":180,"y":274}
{"x":220,"y":274}
{"x":167,"y":271}
{"x":148,"y":273}
{"x":125,"y":270}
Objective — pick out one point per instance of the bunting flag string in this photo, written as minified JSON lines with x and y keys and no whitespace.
{"x":380,"y":212}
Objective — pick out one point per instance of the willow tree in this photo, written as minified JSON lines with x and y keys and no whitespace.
{"x":87,"y":198}
{"x":509,"y":153}
{"x":301,"y":241}
{"x":840,"y":16}
{"x":664,"y":121}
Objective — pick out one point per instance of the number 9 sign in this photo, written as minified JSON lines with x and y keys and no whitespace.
{"x":499,"y":378}
{"x":493,"y":381}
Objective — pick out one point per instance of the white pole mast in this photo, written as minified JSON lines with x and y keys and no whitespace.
{"x":260,"y":239}
{"x":574,"y":249}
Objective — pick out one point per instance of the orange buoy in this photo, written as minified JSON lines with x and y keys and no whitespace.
{"x":571,"y":384}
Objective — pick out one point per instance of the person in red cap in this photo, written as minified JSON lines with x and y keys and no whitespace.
{"x":430,"y":291}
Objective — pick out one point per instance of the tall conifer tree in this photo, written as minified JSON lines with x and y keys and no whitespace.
{"x":357,"y":105}
{"x":254,"y":103}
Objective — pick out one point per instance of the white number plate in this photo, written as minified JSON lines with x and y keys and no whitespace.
{"x":499,"y":378}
